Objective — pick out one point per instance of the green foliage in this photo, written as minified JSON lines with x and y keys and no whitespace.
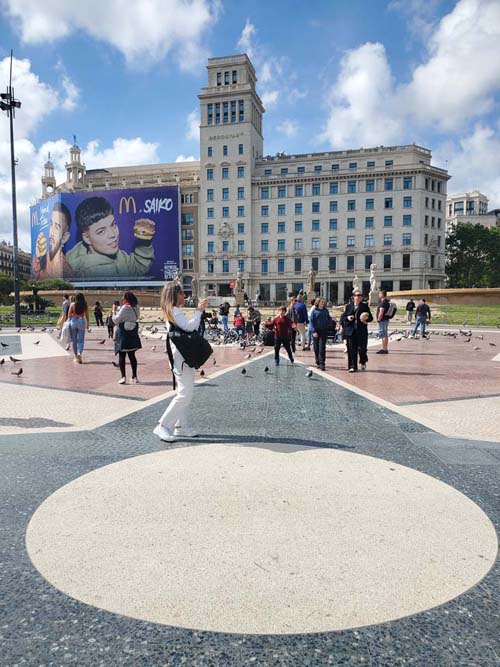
{"x":38,"y":302}
{"x":6,"y":287}
{"x":50,"y":284}
{"x":473,"y":256}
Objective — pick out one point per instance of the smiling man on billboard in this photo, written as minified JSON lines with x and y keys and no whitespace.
{"x":97,"y":254}
{"x":53,"y":264}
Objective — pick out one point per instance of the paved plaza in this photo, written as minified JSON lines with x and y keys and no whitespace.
{"x":341,"y":519}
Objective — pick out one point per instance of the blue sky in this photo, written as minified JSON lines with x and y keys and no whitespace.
{"x":331,"y":74}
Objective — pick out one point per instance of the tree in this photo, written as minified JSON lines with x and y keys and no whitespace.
{"x":50,"y":284}
{"x":6,"y":287}
{"x":473,"y":256}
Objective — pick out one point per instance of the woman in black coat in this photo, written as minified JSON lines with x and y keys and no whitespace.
{"x":355,"y":320}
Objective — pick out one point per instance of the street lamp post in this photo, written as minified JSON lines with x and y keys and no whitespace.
{"x":9,"y":104}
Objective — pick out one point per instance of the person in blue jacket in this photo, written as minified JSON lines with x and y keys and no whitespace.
{"x":320,"y":322}
{"x":301,"y":319}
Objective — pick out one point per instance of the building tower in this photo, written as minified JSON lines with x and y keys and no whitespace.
{"x":48,"y":178}
{"x":230,"y":142}
{"x":75,"y":170}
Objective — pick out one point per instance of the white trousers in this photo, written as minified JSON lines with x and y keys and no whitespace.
{"x":301,"y":328}
{"x":176,"y":413}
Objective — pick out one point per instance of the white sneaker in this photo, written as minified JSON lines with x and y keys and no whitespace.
{"x":363,"y":367}
{"x":122,"y":380}
{"x":135,"y":381}
{"x":163,"y":433}
{"x":185,"y":432}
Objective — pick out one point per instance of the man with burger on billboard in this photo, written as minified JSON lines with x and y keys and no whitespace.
{"x":355,"y":320}
{"x":50,"y":262}
{"x":97,"y":254}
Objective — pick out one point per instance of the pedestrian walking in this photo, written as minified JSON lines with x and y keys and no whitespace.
{"x":383,"y":321}
{"x":422,"y":317}
{"x":312,"y":306}
{"x":174,"y":421}
{"x":292,"y":315}
{"x":78,"y":316}
{"x":282,"y":326}
{"x":224,"y":316}
{"x":355,"y":330}
{"x":320,"y":322}
{"x":98,"y":314}
{"x":254,"y":316}
{"x":302,"y":319}
{"x":410,"y":307}
{"x":127,"y":339}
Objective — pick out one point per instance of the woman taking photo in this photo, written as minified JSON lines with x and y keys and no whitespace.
{"x":78,"y":316}
{"x":127,"y":340}
{"x":174,"y":422}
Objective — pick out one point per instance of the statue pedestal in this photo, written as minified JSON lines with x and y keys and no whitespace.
{"x":239,"y":299}
{"x":373,"y":299}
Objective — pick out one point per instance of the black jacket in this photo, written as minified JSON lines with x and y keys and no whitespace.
{"x":350,"y":327}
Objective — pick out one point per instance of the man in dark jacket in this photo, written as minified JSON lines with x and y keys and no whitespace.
{"x":422,"y":317}
{"x":410,"y":307}
{"x":320,"y":322}
{"x":302,"y":319}
{"x":355,"y":318}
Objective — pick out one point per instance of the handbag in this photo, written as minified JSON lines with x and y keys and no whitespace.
{"x":66,"y":333}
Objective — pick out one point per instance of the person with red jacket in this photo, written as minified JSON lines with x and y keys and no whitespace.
{"x":239,"y":324}
{"x":282,"y":326}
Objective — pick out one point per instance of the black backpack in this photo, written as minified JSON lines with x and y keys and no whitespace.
{"x":392,"y":310}
{"x":194,"y":348}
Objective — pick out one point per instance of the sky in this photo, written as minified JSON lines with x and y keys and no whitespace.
{"x":123,"y":76}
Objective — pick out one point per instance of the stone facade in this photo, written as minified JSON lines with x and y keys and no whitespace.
{"x":7,"y":262}
{"x":472,"y":208}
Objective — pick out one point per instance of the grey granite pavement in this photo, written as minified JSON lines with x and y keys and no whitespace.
{"x":41,"y":627}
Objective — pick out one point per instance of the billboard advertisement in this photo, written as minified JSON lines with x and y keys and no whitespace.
{"x":107,"y":235}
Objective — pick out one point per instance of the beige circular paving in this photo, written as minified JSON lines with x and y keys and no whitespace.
{"x":248,"y":540}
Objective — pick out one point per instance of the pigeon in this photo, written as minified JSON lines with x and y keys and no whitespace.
{"x":476,"y":348}
{"x":480,"y":337}
{"x":243,"y":371}
{"x":36,"y":342}
{"x":18,"y":373}
{"x":467,"y":340}
{"x":2,"y":361}
{"x":248,"y":356}
{"x":14,"y":359}
{"x":43,"y":329}
{"x":266,"y":369}
{"x":309,"y":374}
{"x":101,"y":342}
{"x":259,"y":351}
{"x":153,"y":348}
{"x":4,"y":344}
{"x":493,"y":344}
{"x":214,"y":362}
{"x":202,"y":373}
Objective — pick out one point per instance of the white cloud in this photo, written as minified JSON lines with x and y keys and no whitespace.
{"x":193,"y":125}
{"x":288,"y":127}
{"x":269,"y":98}
{"x":245,"y":42}
{"x":72,"y":93}
{"x":144,"y":32}
{"x":183,"y":158}
{"x":122,"y":153}
{"x":420,"y":16}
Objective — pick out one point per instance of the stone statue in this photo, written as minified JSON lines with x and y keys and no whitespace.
{"x":356,"y":284}
{"x":238,"y":285}
{"x":373,"y":296}
{"x":311,"y":280}
{"x":194,"y":287}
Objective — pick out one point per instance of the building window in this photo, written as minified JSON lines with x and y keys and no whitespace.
{"x":241,"y":193}
{"x":241,"y":111}
{"x":369,"y":240}
{"x":351,"y":241}
{"x":299,"y":190}
{"x":281,"y":227}
{"x":264,"y":193}
{"x":389,"y":163}
{"x":350,"y":262}
{"x":387,"y":261}
{"x":315,"y":207}
{"x":210,"y":212}
{"x":210,"y":266}
{"x":353,"y":165}
{"x":426,"y":221}
{"x":233,"y":112}
{"x":370,"y":165}
{"x":426,"y":239}
{"x":225,"y":194}
{"x":235,"y":76}
{"x":387,"y":220}
{"x":268,"y":172}
{"x":369,"y":222}
{"x":406,"y":261}
{"x":407,"y":183}
{"x":300,"y":170}
{"x":281,"y":244}
{"x":210,"y":246}
{"x":332,"y":263}
{"x":281,"y":209}
{"x":210,"y":195}
{"x":406,"y":202}
{"x":439,"y":223}
{"x":187,"y":219}
{"x":335,"y":167}
{"x":282,"y":191}
{"x":217,"y":114}
{"x":210,"y":114}
{"x":284,"y":170}
{"x":315,"y":263}
{"x":225,"y":172}
{"x":281,"y":265}
{"x":351,"y":223}
{"x":332,"y":242}
{"x":315,"y":226}
{"x":241,"y":265}
{"x":315,"y":243}
{"x":333,"y":223}
{"x":351,"y":186}
{"x":298,"y":264}
{"x":370,"y":204}
{"x":188,"y":264}
{"x":210,"y":174}
{"x":226,"y":78}
{"x":241,"y":212}
{"x":388,"y":202}
{"x":224,"y":150}
{"x":368,"y":261}
{"x":406,"y":239}
{"x":209,"y":151}
{"x":225,"y":266}
{"x":388,"y":184}
{"x":297,"y":244}
{"x":433,"y":261}
{"x":187,"y":235}
{"x":264,"y":266}
{"x":241,"y":172}
{"x":351,"y":205}
{"x":318,"y":168}
{"x":298,"y":225}
{"x":387,"y":239}
{"x":406,"y":220}
{"x":334,"y":206}
{"x":264,"y":245}
{"x":241,"y":227}
{"x":316,"y":189}
{"x":241,"y":246}
{"x":370,"y":186}
{"x":210,"y":230}
{"x":334,"y":188}
{"x":264,"y":211}
{"x":225,"y":211}
{"x":298,"y":209}
{"x":240,"y":149}
{"x":264,"y":228}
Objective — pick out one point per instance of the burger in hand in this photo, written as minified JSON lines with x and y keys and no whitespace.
{"x":144,"y":229}
{"x":364,"y":317}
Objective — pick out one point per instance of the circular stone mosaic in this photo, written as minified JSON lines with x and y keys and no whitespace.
{"x":251,"y":540}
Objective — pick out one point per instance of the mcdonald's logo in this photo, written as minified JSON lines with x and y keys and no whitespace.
{"x":127,"y":203}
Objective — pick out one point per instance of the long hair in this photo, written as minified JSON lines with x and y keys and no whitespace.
{"x":131,"y":298}
{"x":169,"y":298}
{"x":80,"y":303}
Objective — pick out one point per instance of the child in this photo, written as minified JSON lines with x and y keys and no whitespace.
{"x":282,"y":326}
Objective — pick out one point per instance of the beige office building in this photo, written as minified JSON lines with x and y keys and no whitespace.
{"x":471,"y":208}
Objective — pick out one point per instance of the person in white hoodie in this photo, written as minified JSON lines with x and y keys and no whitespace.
{"x":173,"y":423}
